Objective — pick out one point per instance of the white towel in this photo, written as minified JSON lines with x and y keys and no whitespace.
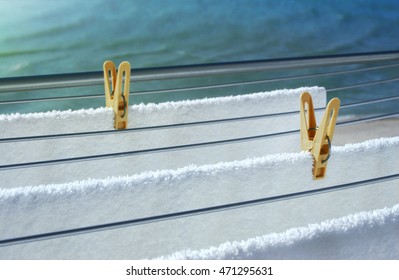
{"x":46,"y":208}
{"x":18,"y":125}
{"x":56,"y":122}
{"x":365,"y":235}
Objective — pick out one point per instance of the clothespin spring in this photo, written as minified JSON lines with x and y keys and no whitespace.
{"x":328,"y":141}
{"x":329,"y":150}
{"x":124,"y":105}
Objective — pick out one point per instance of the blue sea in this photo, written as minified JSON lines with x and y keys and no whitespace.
{"x":48,"y":37}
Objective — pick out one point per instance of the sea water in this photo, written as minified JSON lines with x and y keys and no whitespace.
{"x":48,"y":37}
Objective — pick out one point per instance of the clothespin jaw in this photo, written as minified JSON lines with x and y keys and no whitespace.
{"x":117,"y":89}
{"x":315,"y":139}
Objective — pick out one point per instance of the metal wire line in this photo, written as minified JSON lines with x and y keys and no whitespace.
{"x":179,"y":125}
{"x":172,"y":148}
{"x":91,"y":96}
{"x":14,"y":84}
{"x":372,"y":83}
{"x":265,"y":80}
{"x":190,"y":213}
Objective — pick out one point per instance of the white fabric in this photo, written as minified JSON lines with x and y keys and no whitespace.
{"x":149,"y":115}
{"x":46,"y":208}
{"x":365,"y":235}
{"x":55,"y":122}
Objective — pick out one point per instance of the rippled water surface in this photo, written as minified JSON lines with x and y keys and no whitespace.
{"x":47,"y":37}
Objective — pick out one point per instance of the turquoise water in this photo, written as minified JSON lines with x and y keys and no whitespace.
{"x":47,"y":37}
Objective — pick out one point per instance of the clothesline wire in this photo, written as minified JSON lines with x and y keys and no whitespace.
{"x":93,"y":78}
{"x":190,"y":213}
{"x":90,"y":96}
{"x":181,"y":125}
{"x":272,"y":80}
{"x":372,"y":83}
{"x":172,"y":148}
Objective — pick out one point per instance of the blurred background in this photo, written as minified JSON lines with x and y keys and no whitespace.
{"x":48,"y":37}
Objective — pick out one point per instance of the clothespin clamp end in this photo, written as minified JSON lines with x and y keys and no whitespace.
{"x":117,"y":89}
{"x":317,"y":139}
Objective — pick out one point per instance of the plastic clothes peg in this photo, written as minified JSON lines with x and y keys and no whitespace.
{"x":317,"y":140}
{"x":117,"y":89}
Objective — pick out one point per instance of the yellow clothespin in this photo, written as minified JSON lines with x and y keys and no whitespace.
{"x":117,"y":92}
{"x":315,"y":139}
